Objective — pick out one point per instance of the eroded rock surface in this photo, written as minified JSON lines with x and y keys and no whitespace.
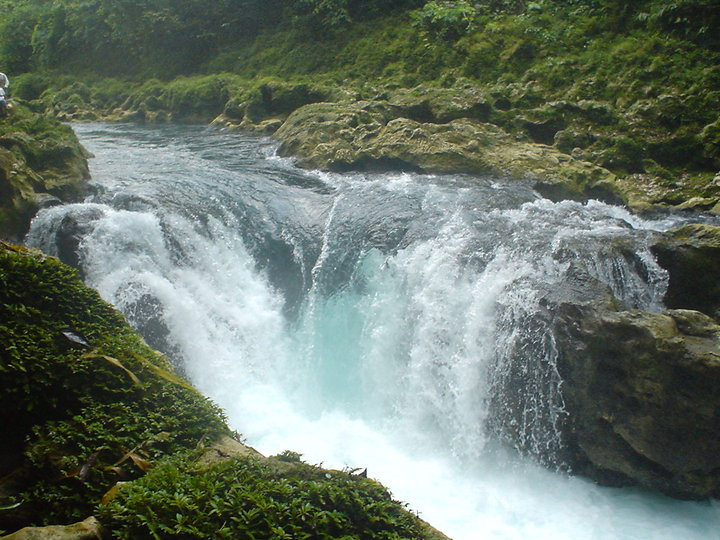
{"x":642,"y":393}
{"x":691,"y":255}
{"x":89,"y":529}
{"x":375,"y":134}
{"x":41,"y":163}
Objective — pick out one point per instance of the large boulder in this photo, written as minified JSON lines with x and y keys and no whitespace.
{"x":72,"y":229}
{"x":642,"y":396}
{"x":691,"y":255}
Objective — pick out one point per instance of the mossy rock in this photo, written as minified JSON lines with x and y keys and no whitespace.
{"x":270,"y":99}
{"x":40,"y":159}
{"x":567,"y":140}
{"x":83,"y":400}
{"x":369,"y":134}
{"x":234,"y":109}
{"x":542,"y":124}
{"x":441,"y":105}
{"x":710,"y":138}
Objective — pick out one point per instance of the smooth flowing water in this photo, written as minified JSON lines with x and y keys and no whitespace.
{"x":368,"y":320}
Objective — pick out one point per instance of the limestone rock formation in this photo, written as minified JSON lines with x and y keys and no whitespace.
{"x":375,"y":134}
{"x":89,"y":529}
{"x":642,"y":394}
{"x":41,"y":163}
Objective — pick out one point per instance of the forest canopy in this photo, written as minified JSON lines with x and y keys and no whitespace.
{"x":170,"y":37}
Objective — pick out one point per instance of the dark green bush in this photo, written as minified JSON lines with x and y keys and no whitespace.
{"x":446,"y":19}
{"x":252,"y":498}
{"x":30,"y":86}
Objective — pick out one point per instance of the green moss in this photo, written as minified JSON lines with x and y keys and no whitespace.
{"x":39,"y":156}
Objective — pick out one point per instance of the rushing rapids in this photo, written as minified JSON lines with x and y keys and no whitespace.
{"x":384,"y":320}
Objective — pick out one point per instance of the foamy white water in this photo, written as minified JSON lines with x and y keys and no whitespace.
{"x":368,"y":321}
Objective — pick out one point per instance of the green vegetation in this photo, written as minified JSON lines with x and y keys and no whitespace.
{"x":250,"y":498}
{"x":77,"y":418}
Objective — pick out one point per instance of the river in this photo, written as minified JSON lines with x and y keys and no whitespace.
{"x":364,"y":320}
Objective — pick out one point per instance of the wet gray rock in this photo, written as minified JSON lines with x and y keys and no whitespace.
{"x":691,"y":255}
{"x":72,"y":229}
{"x":642,"y":395}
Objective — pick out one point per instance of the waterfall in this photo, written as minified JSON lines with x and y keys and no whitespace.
{"x":392,"y":321}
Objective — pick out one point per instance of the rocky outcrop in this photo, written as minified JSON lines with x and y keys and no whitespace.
{"x":691,"y":255}
{"x":263,"y":108}
{"x":642,"y":395}
{"x":641,"y":389}
{"x":375,"y":134}
{"x":41,"y":164}
{"x":83,"y":400}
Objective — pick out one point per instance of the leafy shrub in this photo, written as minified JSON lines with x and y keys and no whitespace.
{"x":697,"y":20}
{"x":30,"y":86}
{"x":446,"y":19}
{"x":322,"y":14}
{"x":16,"y":30}
{"x":252,"y":498}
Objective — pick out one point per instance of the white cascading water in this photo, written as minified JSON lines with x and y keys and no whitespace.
{"x":417,"y":298}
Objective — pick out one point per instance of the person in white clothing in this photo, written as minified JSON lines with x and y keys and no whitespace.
{"x":4,"y":82}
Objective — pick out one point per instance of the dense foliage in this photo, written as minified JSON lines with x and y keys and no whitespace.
{"x":164,"y":37}
{"x":152,"y":36}
{"x":252,"y":498}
